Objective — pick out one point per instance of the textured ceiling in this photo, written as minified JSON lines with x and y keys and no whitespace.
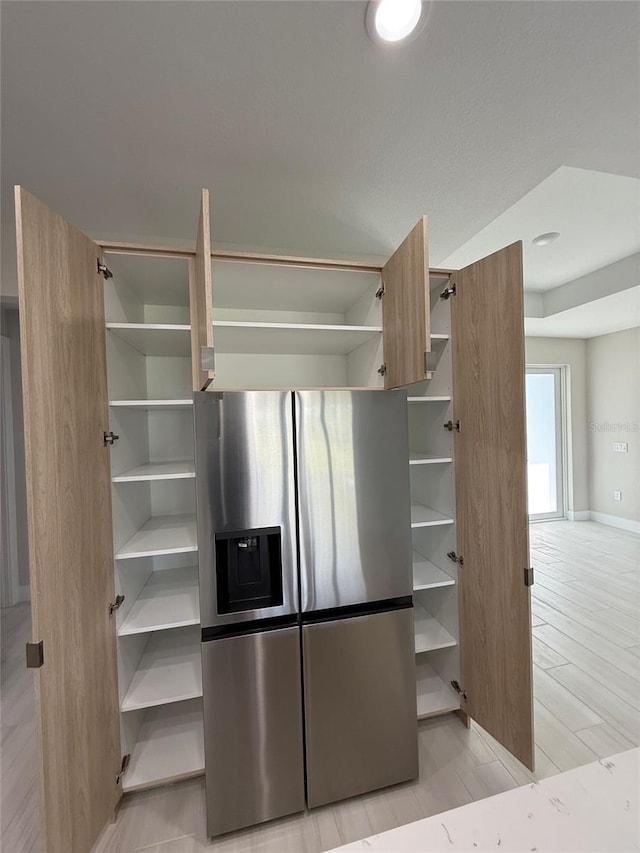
{"x":310,"y":137}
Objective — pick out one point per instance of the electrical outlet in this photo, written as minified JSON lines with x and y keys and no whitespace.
{"x":620,"y":446}
{"x":617,"y":496}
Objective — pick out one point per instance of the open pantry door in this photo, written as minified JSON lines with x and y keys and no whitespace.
{"x":66,"y":418}
{"x":201,"y":302}
{"x":491,"y":496}
{"x":406,"y":310}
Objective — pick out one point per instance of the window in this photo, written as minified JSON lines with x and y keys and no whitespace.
{"x":545,"y":432}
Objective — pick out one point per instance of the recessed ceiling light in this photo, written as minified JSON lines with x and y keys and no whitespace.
{"x":393,"y":20}
{"x":545,"y":239}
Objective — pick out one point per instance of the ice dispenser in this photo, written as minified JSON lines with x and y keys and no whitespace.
{"x":248,"y":569}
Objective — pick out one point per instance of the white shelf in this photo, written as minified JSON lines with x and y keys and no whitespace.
{"x":164,"y":534}
{"x":432,"y":399}
{"x":439,"y":338}
{"x":424,"y":516}
{"x":170,"y":670}
{"x":429,"y":633}
{"x":170,"y":746}
{"x":426,"y":575}
{"x":434,"y":696}
{"x":173,"y":403}
{"x":165,"y":339}
{"x":290,"y":338}
{"x":427,"y":459}
{"x":157,"y":471}
{"x":169,"y":599}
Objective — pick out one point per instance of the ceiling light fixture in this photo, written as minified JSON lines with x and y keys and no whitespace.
{"x":393,"y":20}
{"x":545,"y":239}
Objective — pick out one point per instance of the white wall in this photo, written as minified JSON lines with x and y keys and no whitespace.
{"x":571,"y":352}
{"x":9,"y":323}
{"x":613,"y":406}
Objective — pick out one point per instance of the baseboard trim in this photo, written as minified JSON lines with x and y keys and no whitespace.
{"x":613,"y":521}
{"x":580,"y":515}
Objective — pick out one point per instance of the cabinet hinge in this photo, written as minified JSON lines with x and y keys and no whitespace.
{"x":528,"y":576}
{"x":450,"y":290}
{"x":207,"y":358}
{"x":115,"y":604}
{"x":125,"y":763}
{"x":103,"y":269}
{"x":455,"y":558}
{"x":382,"y":370}
{"x":458,"y":689}
{"x":35,"y":655}
{"x":380,"y":291}
{"x":451,"y":425}
{"x":109,"y":438}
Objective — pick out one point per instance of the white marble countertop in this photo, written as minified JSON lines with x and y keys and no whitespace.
{"x":591,"y":808}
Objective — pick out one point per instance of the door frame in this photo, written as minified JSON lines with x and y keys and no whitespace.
{"x":562,"y":455}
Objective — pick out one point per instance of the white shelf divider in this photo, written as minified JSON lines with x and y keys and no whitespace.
{"x":166,"y":339}
{"x":424,"y":516}
{"x":164,"y":534}
{"x":430,"y":634}
{"x":157,"y":471}
{"x":428,"y":459}
{"x":169,"y":599}
{"x":290,"y":338}
{"x":439,"y":338}
{"x":170,"y":403}
{"x":170,"y":670}
{"x":434,"y":696}
{"x":170,"y":746}
{"x":427,"y":399}
{"x":426,"y":575}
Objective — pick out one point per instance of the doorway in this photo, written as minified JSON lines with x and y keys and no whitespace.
{"x":545,"y":442}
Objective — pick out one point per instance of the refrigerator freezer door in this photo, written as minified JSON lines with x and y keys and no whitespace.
{"x":253,"y":729}
{"x":354,"y":497}
{"x":245,"y":485}
{"x":360,"y":705}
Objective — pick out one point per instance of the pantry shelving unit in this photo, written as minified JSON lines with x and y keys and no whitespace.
{"x":148,"y":333}
{"x":123,"y":707}
{"x":433,"y":519}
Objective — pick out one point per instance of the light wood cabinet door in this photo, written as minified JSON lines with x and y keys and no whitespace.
{"x":491,"y":496}
{"x":406,"y":310}
{"x":64,"y":378}
{"x":201,"y":302}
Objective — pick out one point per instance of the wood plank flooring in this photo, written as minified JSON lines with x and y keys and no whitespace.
{"x":586,"y":609}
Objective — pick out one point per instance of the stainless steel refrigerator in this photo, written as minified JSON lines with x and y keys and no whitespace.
{"x":305,"y":599}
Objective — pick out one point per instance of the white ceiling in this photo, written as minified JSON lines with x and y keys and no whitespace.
{"x":598,"y":317}
{"x":311,"y":138}
{"x":596,"y":214}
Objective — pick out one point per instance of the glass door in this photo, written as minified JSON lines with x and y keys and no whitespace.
{"x":545,"y":469}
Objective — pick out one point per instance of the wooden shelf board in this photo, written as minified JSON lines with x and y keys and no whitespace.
{"x":164,"y":534}
{"x":429,"y":399}
{"x":169,"y":599}
{"x":290,"y":338}
{"x":424,"y":516}
{"x":170,"y":670}
{"x":430,"y":634}
{"x":164,"y":339}
{"x":426,"y":575}
{"x":427,"y":459}
{"x":434,"y":696}
{"x":170,"y":746}
{"x":157,"y":471}
{"x":172,"y":403}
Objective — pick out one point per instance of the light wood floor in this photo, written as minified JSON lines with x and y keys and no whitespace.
{"x":586,"y":617}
